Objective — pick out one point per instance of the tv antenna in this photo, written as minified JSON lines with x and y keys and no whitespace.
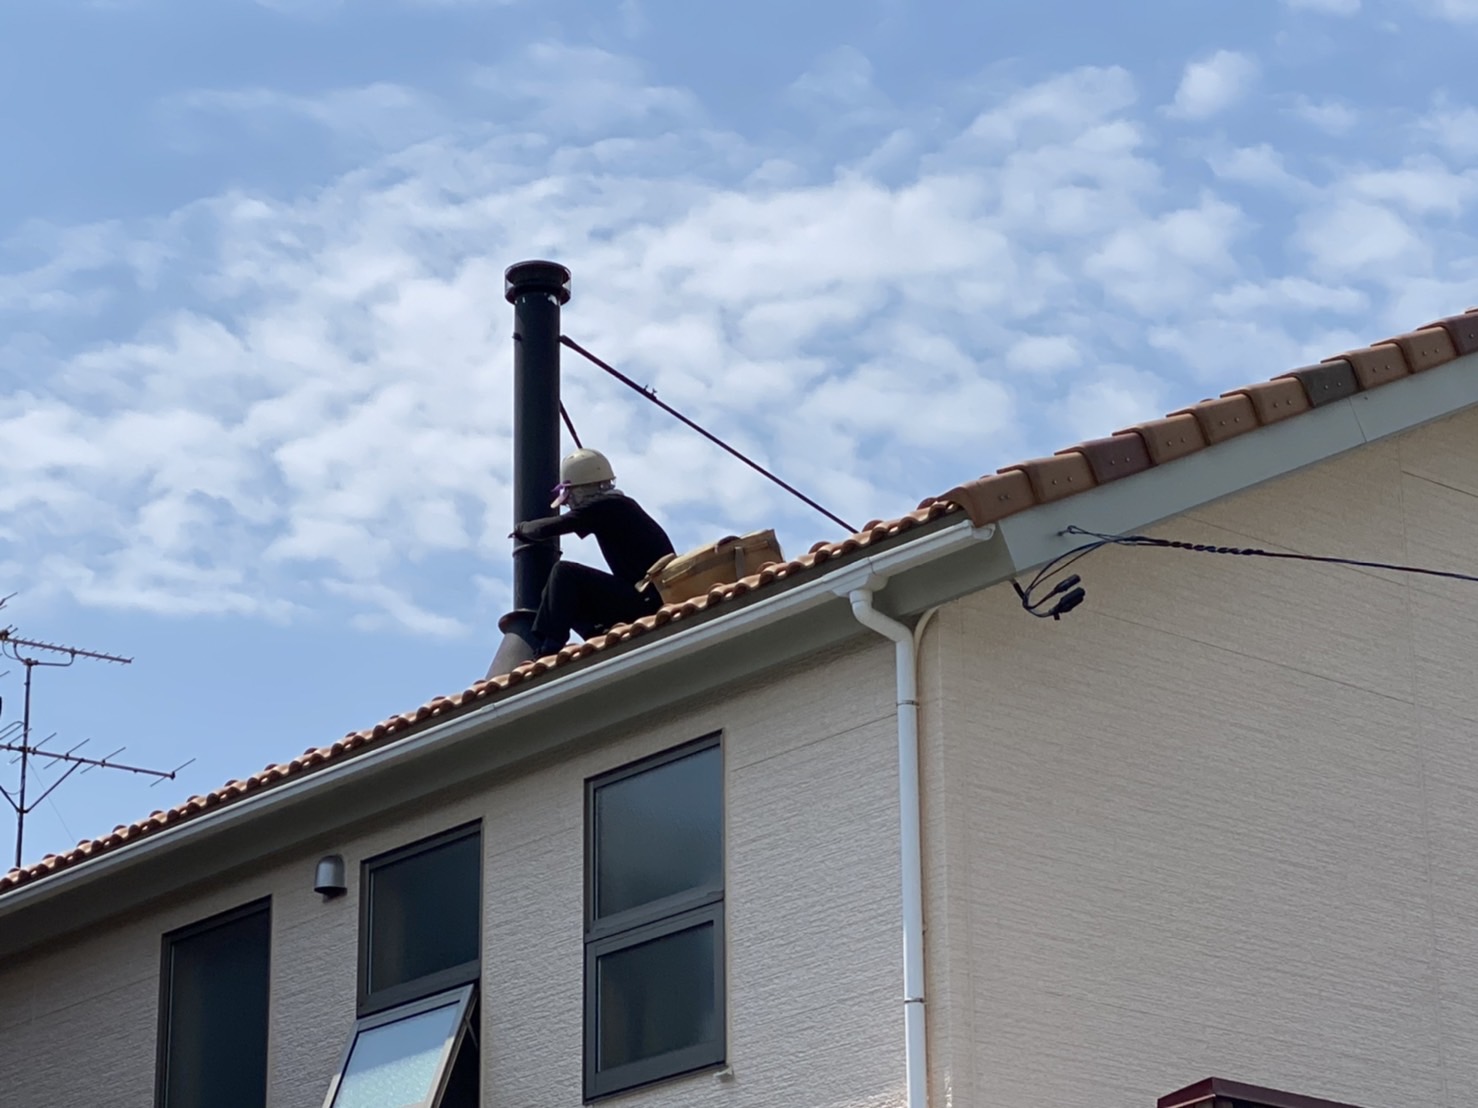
{"x":16,"y":737}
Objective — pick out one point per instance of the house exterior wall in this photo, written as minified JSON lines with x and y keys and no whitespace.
{"x":1223,"y":818}
{"x":812,"y":934}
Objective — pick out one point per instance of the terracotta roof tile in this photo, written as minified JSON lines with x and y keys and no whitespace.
{"x":1425,"y":348}
{"x":1462,"y":329}
{"x":1224,"y":418}
{"x":992,"y":497}
{"x":1274,"y":401}
{"x":1064,"y":474}
{"x":986,"y":499}
{"x":1326,"y":382}
{"x":1170,"y":438}
{"x":1113,"y":458}
{"x":1376,"y":365}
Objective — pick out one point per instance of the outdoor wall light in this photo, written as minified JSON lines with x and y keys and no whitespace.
{"x":328,"y":878}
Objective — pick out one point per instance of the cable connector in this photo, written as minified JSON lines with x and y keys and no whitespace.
{"x":1068,"y":603}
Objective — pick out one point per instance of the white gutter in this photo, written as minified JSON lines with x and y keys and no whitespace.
{"x":910,"y":837}
{"x":475,"y":725}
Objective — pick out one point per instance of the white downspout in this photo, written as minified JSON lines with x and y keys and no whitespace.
{"x":915,"y":1050}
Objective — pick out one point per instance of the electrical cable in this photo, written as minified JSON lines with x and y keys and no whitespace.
{"x":1075,"y":595}
{"x":564,"y":415}
{"x":651,"y":395}
{"x":1253,"y":552}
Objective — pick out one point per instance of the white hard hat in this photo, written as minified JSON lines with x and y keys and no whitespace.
{"x":585,"y":467}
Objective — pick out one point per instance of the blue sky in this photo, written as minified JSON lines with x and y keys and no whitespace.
{"x":254,"y":356}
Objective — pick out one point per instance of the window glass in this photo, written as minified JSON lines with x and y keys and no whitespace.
{"x":424,"y":913}
{"x":462,"y":1085}
{"x":659,"y":832}
{"x":656,"y":997}
{"x":654,"y":994}
{"x":215,"y":1015}
{"x":397,"y":1064}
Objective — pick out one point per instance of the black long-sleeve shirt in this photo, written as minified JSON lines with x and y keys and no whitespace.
{"x":629,"y":539}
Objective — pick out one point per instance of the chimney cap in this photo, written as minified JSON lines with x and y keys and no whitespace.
{"x":523,"y":278}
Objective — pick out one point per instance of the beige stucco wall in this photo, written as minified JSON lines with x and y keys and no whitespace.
{"x":812,"y":940}
{"x":1222,"y":819}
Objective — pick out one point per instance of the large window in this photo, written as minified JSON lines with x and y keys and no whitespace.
{"x":415,"y":1042}
{"x":654,"y":926}
{"x":420,"y":920}
{"x":213,"y":1012}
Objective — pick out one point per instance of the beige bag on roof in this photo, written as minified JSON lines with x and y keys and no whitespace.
{"x":680,"y":577}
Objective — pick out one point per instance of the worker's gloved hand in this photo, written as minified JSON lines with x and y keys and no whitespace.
{"x":522,"y":532}
{"x":545,"y":530}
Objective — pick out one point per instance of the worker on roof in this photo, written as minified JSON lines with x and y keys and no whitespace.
{"x":578,"y":597}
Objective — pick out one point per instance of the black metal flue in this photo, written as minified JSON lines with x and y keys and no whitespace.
{"x":537,"y":290}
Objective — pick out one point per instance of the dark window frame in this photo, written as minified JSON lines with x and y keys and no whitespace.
{"x":466,"y":1000}
{"x":657,"y":919}
{"x":1239,"y":1094}
{"x":260,"y":906}
{"x":469,"y":972}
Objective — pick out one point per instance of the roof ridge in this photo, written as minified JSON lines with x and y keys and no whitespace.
{"x":986,"y":499}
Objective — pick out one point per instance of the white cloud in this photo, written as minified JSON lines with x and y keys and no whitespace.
{"x":1212,"y":85}
{"x":385,"y":114}
{"x":1325,"y":7}
{"x":1257,"y":165}
{"x":1350,"y":238}
{"x":311,"y":412}
{"x":1423,"y":186}
{"x":1458,"y":11}
{"x":841,"y":78}
{"x":1221,"y":352}
{"x":1453,"y":128}
{"x":1044,"y":354}
{"x":1331,"y":116}
{"x":306,"y":8}
{"x":51,"y":262}
{"x":1108,"y":398}
{"x":580,"y":91}
{"x":1160,"y":263}
{"x":1060,"y":108}
{"x":395,"y":612}
{"x":317,"y":8}
{"x":1290,"y":296}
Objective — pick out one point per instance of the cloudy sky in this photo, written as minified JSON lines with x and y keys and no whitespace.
{"x":254,"y":355}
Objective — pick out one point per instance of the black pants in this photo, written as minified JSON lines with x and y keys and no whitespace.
{"x":589,"y":601}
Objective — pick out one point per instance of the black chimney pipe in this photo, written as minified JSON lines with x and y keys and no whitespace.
{"x":537,"y":290}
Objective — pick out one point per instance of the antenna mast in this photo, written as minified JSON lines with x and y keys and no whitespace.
{"x":16,"y":737}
